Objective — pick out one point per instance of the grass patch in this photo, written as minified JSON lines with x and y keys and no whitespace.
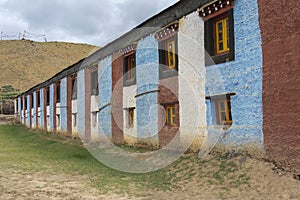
{"x":23,"y":149}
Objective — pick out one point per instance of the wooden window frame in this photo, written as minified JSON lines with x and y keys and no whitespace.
{"x":131,"y":115}
{"x":94,"y":83}
{"x":38,"y":99}
{"x":224,"y":21}
{"x":129,"y":71}
{"x":74,"y":87}
{"x":47,"y":93}
{"x":166,"y":69}
{"x":57,"y":85}
{"x":172,"y":110}
{"x":227,"y":110}
{"x":213,"y":56}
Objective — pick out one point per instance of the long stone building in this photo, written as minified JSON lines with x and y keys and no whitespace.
{"x":196,"y":71}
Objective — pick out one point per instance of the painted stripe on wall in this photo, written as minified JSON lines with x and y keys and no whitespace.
{"x":81,"y":103}
{"x":105,"y":95}
{"x":63,"y":105}
{"x":147,"y":76}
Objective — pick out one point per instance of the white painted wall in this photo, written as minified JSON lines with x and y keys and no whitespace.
{"x":94,"y":117}
{"x":192,"y":80}
{"x":74,"y":118}
{"x":129,"y":101}
{"x":58,"y":116}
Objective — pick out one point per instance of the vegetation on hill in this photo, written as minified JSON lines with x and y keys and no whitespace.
{"x":24,"y":63}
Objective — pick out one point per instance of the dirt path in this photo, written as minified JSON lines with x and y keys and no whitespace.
{"x":25,"y":185}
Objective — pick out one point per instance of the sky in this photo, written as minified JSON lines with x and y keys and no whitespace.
{"x":94,"y":22}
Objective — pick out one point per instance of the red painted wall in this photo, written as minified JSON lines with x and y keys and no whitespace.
{"x":280,"y":27}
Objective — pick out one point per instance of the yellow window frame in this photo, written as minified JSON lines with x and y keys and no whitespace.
{"x":171,"y":54}
{"x":170,"y":110}
{"x":131,"y":67}
{"x":131,"y":117}
{"x":225,"y":35}
{"x":226,"y":110}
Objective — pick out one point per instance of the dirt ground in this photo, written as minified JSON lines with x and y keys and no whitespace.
{"x":265,"y":183}
{"x":250,"y":179}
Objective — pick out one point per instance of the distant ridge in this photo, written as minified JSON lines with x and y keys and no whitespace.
{"x":25,"y":63}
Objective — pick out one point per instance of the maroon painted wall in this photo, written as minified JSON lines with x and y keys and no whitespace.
{"x":168,"y":94}
{"x":279,"y":21}
{"x":117,"y":105}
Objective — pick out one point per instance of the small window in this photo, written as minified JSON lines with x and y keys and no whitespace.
{"x":223,"y":108}
{"x":74,"y":119}
{"x":38,"y":98}
{"x":31,"y":101}
{"x":21,"y":103}
{"x":219,"y":38}
{"x":58,"y":120}
{"x":25,"y":102}
{"x":58,"y":92}
{"x":94,"y":83}
{"x":47,"y":96}
{"x":222,"y":35}
{"x":131,"y":117}
{"x":94,"y":118}
{"x":74,"y":87}
{"x":171,"y":55}
{"x":130,"y":70}
{"x":170,"y":115}
{"x":168,"y":58}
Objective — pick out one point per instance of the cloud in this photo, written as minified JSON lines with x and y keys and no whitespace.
{"x":90,"y":21}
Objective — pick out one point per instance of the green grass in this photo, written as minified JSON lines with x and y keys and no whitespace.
{"x":22,"y":149}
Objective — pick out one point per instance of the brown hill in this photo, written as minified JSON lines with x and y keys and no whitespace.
{"x":25,"y":63}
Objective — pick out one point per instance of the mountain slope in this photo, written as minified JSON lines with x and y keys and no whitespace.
{"x":24,"y":63}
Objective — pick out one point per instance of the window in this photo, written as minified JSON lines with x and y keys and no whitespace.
{"x":171,"y":60}
{"x":58,"y":92}
{"x":94,"y":83}
{"x":21,"y":103}
{"x":129,"y":70}
{"x":31,"y":101}
{"x":219,"y":38}
{"x":74,"y":119}
{"x":94,"y":118}
{"x":74,"y":87}
{"x":47,"y":96}
{"x":223,"y":108}
{"x":131,"y":117}
{"x":222,"y":35}
{"x":38,"y":98}
{"x":170,"y":115}
{"x":168,"y":58}
{"x":25,"y":102}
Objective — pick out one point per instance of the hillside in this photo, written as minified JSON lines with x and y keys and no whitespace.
{"x":25,"y":63}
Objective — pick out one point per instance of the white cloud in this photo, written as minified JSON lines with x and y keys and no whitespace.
{"x":90,"y":21}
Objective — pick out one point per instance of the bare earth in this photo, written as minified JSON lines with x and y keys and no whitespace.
{"x":265,"y":182}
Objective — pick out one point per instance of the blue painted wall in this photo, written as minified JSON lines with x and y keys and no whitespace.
{"x":34,"y":114}
{"x":81,"y":103}
{"x":105,"y":95}
{"x":147,"y":78}
{"x":63,"y":105}
{"x":19,"y":108}
{"x":51,"y":116}
{"x":242,"y":76}
{"x":28,"y":111}
{"x":42,"y":115}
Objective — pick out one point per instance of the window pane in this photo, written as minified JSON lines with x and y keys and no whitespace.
{"x":169,"y":116}
{"x":221,"y":47}
{"x":220,"y":36}
{"x":222,"y":106}
{"x":220,"y":26}
{"x":223,"y":116}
